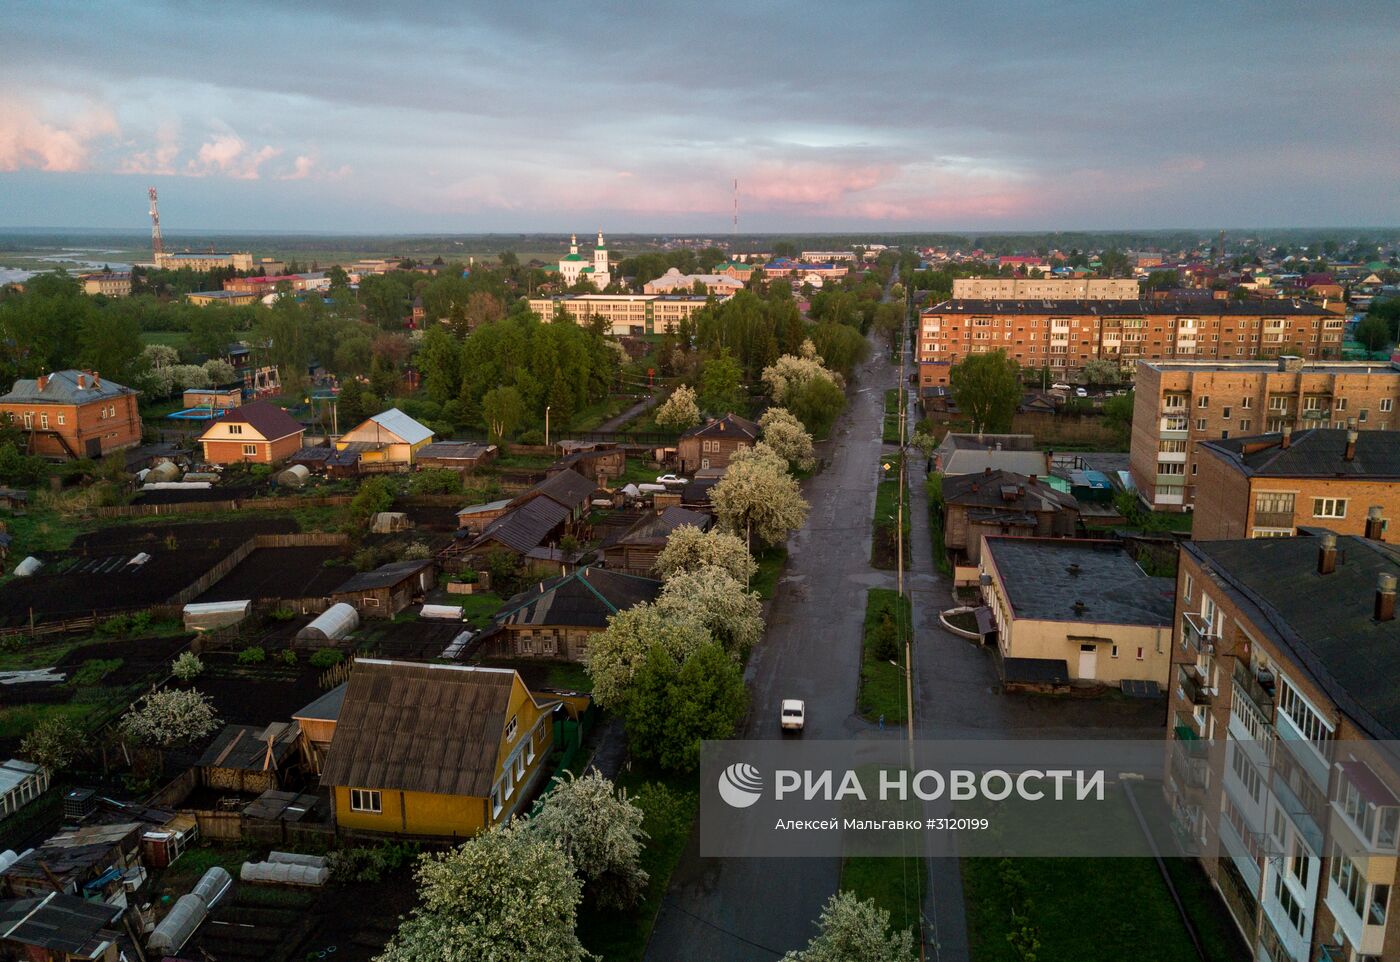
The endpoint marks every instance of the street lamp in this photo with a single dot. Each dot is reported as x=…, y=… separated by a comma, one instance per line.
x=546, y=425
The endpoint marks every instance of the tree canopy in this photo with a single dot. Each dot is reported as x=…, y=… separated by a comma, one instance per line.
x=987, y=388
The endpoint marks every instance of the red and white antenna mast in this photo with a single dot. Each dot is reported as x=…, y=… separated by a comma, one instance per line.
x=157, y=246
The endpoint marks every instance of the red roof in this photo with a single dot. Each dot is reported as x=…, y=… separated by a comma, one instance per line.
x=265, y=417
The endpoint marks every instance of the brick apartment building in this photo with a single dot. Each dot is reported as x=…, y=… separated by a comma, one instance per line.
x=73, y=414
x=1046, y=288
x=1266, y=487
x=1178, y=403
x=625, y=314
x=1282, y=700
x=1063, y=335
x=107, y=283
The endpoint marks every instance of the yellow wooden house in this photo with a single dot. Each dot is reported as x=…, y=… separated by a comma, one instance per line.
x=440, y=750
x=388, y=438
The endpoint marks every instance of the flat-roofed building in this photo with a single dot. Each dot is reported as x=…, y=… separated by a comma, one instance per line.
x=1268, y=486
x=626, y=314
x=107, y=283
x=1280, y=750
x=1064, y=335
x=230, y=298
x=1179, y=403
x=1046, y=288
x=204, y=261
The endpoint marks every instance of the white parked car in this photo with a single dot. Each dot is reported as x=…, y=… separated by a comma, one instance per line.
x=794, y=714
x=671, y=479
x=1081, y=392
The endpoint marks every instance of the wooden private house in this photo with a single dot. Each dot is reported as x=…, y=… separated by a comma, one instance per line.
x=634, y=551
x=388, y=589
x=435, y=750
x=556, y=618
x=712, y=444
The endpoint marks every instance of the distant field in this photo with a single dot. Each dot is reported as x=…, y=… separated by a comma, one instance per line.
x=176, y=339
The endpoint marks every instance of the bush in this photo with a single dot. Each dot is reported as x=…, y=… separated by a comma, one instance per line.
x=443, y=481
x=139, y=622
x=187, y=666
x=535, y=436
x=115, y=625
x=417, y=551
x=287, y=656
x=885, y=640
x=368, y=864
x=327, y=658
x=282, y=614
x=252, y=656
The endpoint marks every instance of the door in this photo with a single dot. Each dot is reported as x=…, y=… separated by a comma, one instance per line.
x=704, y=462
x=1088, y=659
x=94, y=447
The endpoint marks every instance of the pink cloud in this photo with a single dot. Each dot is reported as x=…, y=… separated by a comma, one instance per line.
x=160, y=159
x=28, y=141
x=301, y=168
x=228, y=154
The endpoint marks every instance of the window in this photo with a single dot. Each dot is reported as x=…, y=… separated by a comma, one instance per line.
x=1225, y=414
x=1290, y=905
x=235, y=429
x=1245, y=425
x=365, y=800
x=1387, y=404
x=43, y=421
x=1203, y=401
x=495, y=802
x=250, y=449
x=511, y=729
x=1246, y=403
x=1246, y=771
x=62, y=419
x=520, y=767
x=1302, y=715
x=1329, y=507
x=1200, y=424
x=1140, y=652
x=530, y=750
x=1113, y=651
x=1171, y=467
x=1189, y=588
x=1361, y=415
x=1340, y=404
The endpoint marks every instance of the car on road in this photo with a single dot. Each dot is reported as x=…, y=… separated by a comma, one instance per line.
x=1081, y=392
x=671, y=479
x=794, y=714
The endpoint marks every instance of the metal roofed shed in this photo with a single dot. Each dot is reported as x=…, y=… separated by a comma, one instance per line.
x=60, y=926
x=206, y=616
x=331, y=625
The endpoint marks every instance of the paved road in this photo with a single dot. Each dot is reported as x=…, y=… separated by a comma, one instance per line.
x=636, y=410
x=743, y=910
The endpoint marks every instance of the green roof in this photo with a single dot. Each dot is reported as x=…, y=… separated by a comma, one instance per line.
x=573, y=257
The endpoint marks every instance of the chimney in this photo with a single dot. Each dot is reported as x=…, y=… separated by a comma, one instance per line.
x=1327, y=554
x=1073, y=568
x=41, y=382
x=1034, y=479
x=1287, y=436
x=1385, y=597
x=1375, y=523
x=96, y=379
x=1350, y=453
x=82, y=381
x=987, y=470
x=1080, y=607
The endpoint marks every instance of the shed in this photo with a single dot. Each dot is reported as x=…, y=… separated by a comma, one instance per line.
x=387, y=522
x=59, y=926
x=13, y=498
x=388, y=589
x=293, y=477
x=317, y=724
x=333, y=624
x=248, y=758
x=206, y=616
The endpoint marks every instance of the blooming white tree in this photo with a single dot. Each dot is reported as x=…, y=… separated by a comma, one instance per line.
x=187, y=666
x=688, y=549
x=506, y=895
x=710, y=596
x=757, y=497
x=680, y=410
x=792, y=370
x=855, y=930
x=219, y=370
x=601, y=832
x=616, y=653
x=171, y=716
x=160, y=355
x=788, y=437
x=52, y=743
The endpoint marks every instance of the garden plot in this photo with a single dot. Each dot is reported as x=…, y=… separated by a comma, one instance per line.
x=282, y=573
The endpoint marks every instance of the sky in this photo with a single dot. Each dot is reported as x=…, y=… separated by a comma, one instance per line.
x=363, y=115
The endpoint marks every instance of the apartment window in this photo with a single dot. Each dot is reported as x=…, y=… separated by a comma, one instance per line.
x=1378, y=825
x=1340, y=404
x=1189, y=588
x=1278, y=402
x=1113, y=651
x=1245, y=425
x=62, y=420
x=1140, y=652
x=1200, y=424
x=365, y=800
x=1246, y=403
x=510, y=729
x=1329, y=507
x=1386, y=404
x=1245, y=770
x=1171, y=447
x=44, y=421
x=1203, y=401
x=235, y=429
x=1302, y=715
x=1298, y=862
x=250, y=449
x=1171, y=467
x=1290, y=905
x=1225, y=413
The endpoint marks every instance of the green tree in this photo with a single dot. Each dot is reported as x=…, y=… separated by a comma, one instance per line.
x=987, y=387
x=722, y=386
x=852, y=929
x=1373, y=332
x=616, y=653
x=1118, y=415
x=1388, y=310
x=374, y=496
x=52, y=743
x=504, y=409
x=601, y=832
x=440, y=361
x=690, y=549
x=1100, y=371
x=757, y=497
x=674, y=705
x=816, y=403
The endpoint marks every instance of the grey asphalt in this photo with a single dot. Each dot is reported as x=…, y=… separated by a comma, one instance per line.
x=740, y=910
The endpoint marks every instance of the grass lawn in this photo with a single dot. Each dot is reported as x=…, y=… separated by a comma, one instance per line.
x=569, y=676
x=896, y=885
x=191, y=866
x=770, y=566
x=934, y=486
x=477, y=609
x=882, y=540
x=881, y=683
x=636, y=471
x=891, y=428
x=670, y=803
x=16, y=721
x=524, y=462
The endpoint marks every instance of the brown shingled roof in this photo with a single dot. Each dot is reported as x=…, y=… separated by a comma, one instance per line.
x=265, y=417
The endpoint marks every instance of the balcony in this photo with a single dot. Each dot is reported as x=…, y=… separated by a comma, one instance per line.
x=1257, y=691
x=1193, y=686
x=1191, y=769
x=1197, y=633
x=1317, y=414
x=1273, y=519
